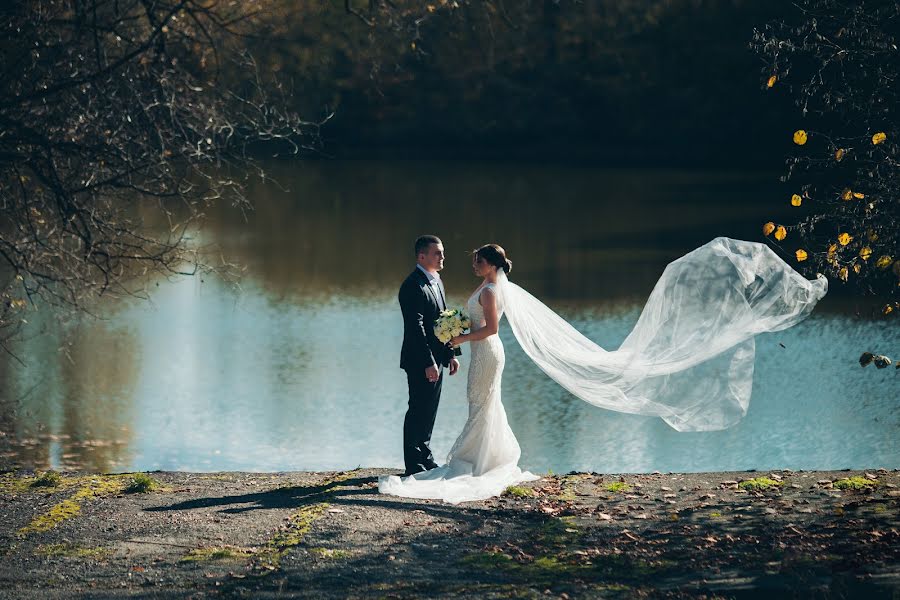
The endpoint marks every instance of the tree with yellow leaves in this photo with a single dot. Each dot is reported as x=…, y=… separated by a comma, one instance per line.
x=836, y=61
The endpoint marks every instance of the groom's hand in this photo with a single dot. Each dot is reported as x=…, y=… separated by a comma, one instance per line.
x=454, y=366
x=432, y=374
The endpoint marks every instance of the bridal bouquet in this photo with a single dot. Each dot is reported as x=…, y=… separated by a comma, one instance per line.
x=451, y=323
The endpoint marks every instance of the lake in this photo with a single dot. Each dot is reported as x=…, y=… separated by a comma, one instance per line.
x=295, y=365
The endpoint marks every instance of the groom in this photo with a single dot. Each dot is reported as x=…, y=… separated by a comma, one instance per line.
x=423, y=356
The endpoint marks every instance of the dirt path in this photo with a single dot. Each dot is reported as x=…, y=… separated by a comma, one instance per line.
x=323, y=535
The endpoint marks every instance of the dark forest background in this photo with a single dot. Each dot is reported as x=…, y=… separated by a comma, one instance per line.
x=620, y=82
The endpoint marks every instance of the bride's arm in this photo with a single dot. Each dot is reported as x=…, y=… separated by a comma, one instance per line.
x=491, y=320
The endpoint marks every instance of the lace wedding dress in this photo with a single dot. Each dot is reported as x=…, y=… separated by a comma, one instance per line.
x=484, y=459
x=688, y=360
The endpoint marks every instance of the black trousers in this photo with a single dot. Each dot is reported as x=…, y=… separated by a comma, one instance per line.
x=419, y=422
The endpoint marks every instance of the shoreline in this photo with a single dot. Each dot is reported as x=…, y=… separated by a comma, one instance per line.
x=331, y=534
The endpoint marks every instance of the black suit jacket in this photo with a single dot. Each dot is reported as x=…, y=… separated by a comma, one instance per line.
x=421, y=305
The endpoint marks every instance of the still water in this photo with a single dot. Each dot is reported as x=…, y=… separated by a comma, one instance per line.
x=295, y=367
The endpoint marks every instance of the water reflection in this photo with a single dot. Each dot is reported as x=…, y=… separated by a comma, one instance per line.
x=297, y=367
x=572, y=232
x=71, y=404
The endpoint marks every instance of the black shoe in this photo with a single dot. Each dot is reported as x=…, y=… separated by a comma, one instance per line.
x=414, y=470
x=431, y=465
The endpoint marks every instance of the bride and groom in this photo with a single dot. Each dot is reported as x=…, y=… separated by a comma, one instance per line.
x=688, y=360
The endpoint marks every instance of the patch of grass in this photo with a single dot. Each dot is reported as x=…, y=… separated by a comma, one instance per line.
x=617, y=486
x=218, y=553
x=47, y=479
x=855, y=483
x=141, y=483
x=715, y=515
x=518, y=492
x=72, y=551
x=289, y=536
x=329, y=553
x=760, y=484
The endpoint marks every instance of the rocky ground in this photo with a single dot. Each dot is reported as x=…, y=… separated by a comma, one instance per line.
x=324, y=535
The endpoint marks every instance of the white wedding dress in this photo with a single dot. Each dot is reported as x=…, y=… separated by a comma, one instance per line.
x=484, y=460
x=688, y=360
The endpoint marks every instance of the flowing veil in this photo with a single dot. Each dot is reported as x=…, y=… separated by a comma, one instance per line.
x=689, y=358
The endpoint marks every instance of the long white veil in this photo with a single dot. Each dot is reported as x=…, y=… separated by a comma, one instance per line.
x=689, y=358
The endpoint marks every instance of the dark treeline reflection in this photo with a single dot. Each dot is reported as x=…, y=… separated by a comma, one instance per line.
x=574, y=234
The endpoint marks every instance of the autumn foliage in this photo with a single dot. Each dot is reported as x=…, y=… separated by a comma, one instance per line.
x=839, y=64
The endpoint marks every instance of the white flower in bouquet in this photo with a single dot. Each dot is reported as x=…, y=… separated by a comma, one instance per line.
x=451, y=323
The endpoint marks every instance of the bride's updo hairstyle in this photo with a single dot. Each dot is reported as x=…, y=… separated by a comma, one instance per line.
x=494, y=255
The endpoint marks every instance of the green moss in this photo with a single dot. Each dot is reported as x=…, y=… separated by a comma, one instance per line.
x=16, y=484
x=92, y=487
x=549, y=568
x=569, y=483
x=715, y=515
x=551, y=565
x=489, y=561
x=218, y=553
x=289, y=536
x=13, y=484
x=856, y=483
x=67, y=509
x=617, y=486
x=329, y=553
x=72, y=551
x=47, y=479
x=518, y=491
x=760, y=484
x=555, y=535
x=141, y=483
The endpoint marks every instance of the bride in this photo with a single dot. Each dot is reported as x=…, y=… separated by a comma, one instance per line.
x=688, y=360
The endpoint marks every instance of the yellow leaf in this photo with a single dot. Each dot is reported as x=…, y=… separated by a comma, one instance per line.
x=878, y=138
x=847, y=194
x=780, y=233
x=839, y=154
x=845, y=238
x=865, y=253
x=771, y=81
x=883, y=262
x=857, y=268
x=801, y=255
x=800, y=137
x=843, y=274
x=796, y=200
x=858, y=195
x=832, y=248
x=888, y=309
x=871, y=235
x=768, y=228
